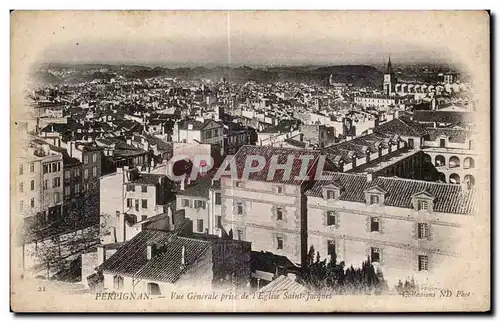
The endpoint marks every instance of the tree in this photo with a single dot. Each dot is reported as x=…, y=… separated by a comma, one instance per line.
x=334, y=277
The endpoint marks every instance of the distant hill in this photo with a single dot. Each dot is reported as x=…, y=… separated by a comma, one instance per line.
x=358, y=75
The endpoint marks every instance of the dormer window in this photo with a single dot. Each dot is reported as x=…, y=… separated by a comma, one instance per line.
x=423, y=201
x=239, y=184
x=332, y=191
x=330, y=194
x=374, y=200
x=422, y=205
x=375, y=196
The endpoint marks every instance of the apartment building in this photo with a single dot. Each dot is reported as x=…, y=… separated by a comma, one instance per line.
x=128, y=197
x=206, y=132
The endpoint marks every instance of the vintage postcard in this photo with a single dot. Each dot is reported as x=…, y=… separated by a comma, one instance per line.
x=250, y=161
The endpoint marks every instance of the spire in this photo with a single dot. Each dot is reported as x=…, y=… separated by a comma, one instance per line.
x=389, y=66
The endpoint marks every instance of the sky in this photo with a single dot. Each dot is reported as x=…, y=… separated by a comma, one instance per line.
x=243, y=37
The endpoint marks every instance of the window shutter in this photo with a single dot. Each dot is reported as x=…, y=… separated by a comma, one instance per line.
x=325, y=218
x=414, y=231
x=381, y=225
x=382, y=259
x=337, y=220
x=367, y=226
x=429, y=231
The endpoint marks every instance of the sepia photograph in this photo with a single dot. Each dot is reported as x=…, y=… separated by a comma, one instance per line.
x=250, y=161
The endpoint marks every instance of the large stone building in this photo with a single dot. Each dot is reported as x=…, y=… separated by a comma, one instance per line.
x=410, y=228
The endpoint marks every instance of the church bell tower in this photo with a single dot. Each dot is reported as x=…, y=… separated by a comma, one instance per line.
x=389, y=79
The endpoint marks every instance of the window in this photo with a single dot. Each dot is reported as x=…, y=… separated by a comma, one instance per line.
x=86, y=174
x=21, y=169
x=86, y=159
x=32, y=167
x=422, y=205
x=199, y=204
x=239, y=208
x=240, y=234
x=94, y=171
x=77, y=188
x=67, y=174
x=185, y=202
x=117, y=282
x=423, y=263
x=374, y=200
x=442, y=143
x=154, y=289
x=32, y=185
x=375, y=255
x=411, y=143
x=144, y=217
x=144, y=203
x=136, y=204
x=239, y=184
x=117, y=213
x=217, y=198
x=279, y=242
x=45, y=184
x=219, y=221
x=21, y=187
x=21, y=205
x=130, y=187
x=77, y=172
x=279, y=189
x=332, y=251
x=144, y=188
x=56, y=182
x=470, y=145
x=423, y=231
x=67, y=191
x=57, y=198
x=45, y=168
x=32, y=202
x=129, y=202
x=279, y=213
x=330, y=218
x=200, y=225
x=330, y=194
x=374, y=224
x=94, y=158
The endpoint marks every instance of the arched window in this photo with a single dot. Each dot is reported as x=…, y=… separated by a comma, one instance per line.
x=440, y=161
x=441, y=177
x=154, y=289
x=454, y=178
x=469, y=163
x=470, y=179
x=454, y=162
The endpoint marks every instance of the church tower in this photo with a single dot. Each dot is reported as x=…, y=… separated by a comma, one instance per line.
x=389, y=79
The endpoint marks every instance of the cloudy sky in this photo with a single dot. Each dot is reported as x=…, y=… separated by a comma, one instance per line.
x=242, y=37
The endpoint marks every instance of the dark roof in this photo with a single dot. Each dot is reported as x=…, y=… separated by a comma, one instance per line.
x=454, y=135
x=197, y=125
x=282, y=155
x=131, y=259
x=449, y=198
x=199, y=188
x=147, y=178
x=444, y=116
x=399, y=127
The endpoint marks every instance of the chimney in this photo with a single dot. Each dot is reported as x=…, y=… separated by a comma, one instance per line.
x=183, y=256
x=129, y=141
x=369, y=176
x=101, y=254
x=45, y=148
x=396, y=114
x=190, y=126
x=150, y=251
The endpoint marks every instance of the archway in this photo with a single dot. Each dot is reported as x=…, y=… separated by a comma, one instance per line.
x=454, y=178
x=441, y=177
x=440, y=161
x=469, y=163
x=454, y=162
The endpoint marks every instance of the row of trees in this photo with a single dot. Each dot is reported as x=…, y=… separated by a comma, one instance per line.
x=338, y=279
